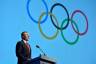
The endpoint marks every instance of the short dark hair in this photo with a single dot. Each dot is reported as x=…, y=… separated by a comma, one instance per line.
x=23, y=33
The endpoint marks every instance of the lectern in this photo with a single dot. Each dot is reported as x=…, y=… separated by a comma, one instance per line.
x=42, y=59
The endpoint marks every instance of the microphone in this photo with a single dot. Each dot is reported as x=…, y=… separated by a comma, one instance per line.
x=37, y=46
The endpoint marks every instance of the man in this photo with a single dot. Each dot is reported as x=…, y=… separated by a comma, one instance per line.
x=23, y=49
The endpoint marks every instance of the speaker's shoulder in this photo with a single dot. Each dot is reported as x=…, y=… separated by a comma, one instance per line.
x=20, y=42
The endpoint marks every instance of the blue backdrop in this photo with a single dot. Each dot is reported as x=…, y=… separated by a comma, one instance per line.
x=14, y=19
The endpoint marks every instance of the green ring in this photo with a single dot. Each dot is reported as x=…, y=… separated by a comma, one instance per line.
x=47, y=37
x=68, y=42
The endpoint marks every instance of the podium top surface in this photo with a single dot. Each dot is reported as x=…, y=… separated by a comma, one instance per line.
x=44, y=58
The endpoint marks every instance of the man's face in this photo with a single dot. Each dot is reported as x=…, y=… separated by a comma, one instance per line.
x=25, y=36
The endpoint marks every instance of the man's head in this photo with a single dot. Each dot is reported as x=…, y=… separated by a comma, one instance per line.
x=25, y=36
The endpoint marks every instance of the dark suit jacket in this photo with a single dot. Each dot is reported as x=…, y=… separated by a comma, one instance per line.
x=21, y=53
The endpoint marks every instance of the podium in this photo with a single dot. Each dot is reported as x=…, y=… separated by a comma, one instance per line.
x=42, y=59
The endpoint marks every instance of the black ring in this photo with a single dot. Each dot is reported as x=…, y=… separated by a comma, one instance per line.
x=58, y=4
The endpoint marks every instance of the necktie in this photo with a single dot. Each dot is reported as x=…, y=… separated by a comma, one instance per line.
x=27, y=48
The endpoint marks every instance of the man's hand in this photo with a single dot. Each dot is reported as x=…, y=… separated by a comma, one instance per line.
x=29, y=59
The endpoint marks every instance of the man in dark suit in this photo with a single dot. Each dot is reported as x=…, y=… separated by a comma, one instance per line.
x=23, y=49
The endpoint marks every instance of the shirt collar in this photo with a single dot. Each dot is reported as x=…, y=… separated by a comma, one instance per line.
x=25, y=41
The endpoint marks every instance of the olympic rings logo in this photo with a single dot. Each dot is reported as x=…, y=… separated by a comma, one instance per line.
x=61, y=28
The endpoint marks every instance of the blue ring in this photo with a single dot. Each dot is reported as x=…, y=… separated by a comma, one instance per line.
x=36, y=21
